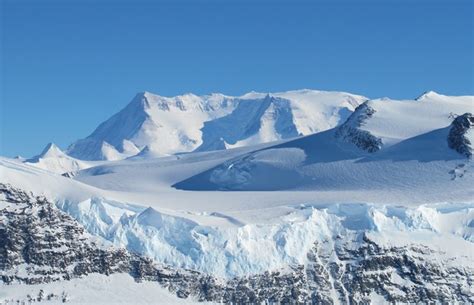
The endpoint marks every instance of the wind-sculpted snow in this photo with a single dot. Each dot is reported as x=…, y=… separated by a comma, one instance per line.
x=254, y=168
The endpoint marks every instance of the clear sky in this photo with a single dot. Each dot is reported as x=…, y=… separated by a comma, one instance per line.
x=68, y=65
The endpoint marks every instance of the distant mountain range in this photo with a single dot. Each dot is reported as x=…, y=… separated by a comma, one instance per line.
x=152, y=126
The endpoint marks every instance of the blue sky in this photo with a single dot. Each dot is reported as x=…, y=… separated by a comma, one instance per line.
x=68, y=65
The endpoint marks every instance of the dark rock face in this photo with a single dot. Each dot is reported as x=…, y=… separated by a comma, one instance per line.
x=351, y=132
x=457, y=139
x=39, y=244
x=48, y=243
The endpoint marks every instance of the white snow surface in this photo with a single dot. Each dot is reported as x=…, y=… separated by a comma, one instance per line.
x=237, y=250
x=93, y=289
x=398, y=120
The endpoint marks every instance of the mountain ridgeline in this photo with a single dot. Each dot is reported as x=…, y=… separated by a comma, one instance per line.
x=201, y=123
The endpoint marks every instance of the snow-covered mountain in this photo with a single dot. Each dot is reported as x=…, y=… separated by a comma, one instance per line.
x=364, y=152
x=375, y=206
x=189, y=122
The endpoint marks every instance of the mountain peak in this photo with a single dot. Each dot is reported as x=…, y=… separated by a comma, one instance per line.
x=148, y=152
x=428, y=94
x=51, y=150
x=53, y=159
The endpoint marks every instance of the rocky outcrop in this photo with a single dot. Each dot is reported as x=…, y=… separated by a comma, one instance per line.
x=39, y=243
x=457, y=138
x=352, y=132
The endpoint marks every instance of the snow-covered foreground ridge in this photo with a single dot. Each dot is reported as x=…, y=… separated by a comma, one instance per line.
x=238, y=251
x=349, y=261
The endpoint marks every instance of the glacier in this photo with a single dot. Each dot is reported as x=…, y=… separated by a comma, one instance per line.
x=255, y=248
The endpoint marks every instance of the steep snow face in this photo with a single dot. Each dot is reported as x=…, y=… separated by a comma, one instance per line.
x=54, y=160
x=237, y=251
x=170, y=125
x=314, y=111
x=253, y=121
x=262, y=118
x=91, y=149
x=210, y=122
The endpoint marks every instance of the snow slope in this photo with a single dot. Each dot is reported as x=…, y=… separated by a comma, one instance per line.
x=317, y=162
x=169, y=125
x=393, y=121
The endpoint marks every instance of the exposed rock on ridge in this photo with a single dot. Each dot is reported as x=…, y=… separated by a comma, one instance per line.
x=458, y=134
x=351, y=132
